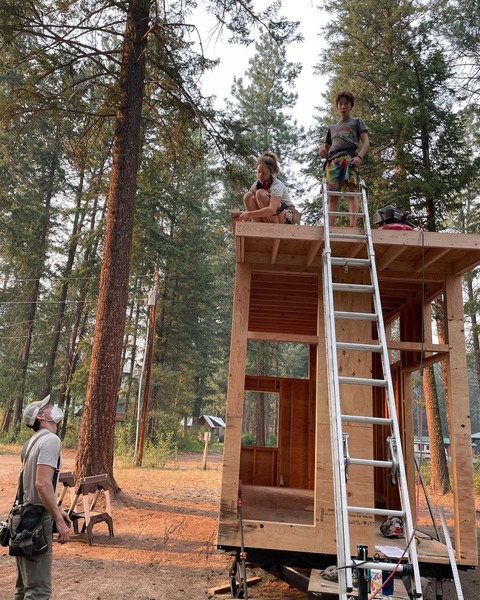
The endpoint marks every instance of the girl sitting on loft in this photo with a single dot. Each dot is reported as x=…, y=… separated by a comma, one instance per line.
x=268, y=200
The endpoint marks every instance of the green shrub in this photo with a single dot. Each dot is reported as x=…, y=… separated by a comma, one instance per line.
x=125, y=439
x=190, y=442
x=71, y=435
x=157, y=453
x=272, y=441
x=249, y=439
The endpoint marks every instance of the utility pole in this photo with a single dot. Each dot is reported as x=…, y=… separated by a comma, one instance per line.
x=152, y=301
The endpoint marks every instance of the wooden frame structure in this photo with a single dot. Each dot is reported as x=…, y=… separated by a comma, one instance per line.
x=278, y=296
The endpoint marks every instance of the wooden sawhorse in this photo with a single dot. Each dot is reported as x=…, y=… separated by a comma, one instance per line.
x=96, y=484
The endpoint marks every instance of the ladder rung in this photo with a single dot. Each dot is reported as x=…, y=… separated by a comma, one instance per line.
x=352, y=287
x=341, y=314
x=385, y=566
x=384, y=512
x=368, y=420
x=350, y=236
x=351, y=194
x=367, y=462
x=359, y=347
x=343, y=213
x=363, y=381
x=351, y=262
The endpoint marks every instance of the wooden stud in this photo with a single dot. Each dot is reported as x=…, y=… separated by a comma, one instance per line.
x=312, y=253
x=427, y=362
x=283, y=337
x=235, y=392
x=458, y=411
x=276, y=245
x=417, y=346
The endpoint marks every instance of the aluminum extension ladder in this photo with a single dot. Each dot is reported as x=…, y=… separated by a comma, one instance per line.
x=340, y=455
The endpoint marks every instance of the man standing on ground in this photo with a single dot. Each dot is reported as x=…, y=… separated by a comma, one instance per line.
x=34, y=574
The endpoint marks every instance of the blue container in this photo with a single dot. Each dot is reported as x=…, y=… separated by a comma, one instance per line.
x=388, y=588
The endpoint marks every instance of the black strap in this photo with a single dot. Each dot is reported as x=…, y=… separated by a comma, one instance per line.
x=20, y=490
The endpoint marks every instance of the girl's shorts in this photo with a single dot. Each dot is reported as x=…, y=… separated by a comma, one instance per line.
x=339, y=173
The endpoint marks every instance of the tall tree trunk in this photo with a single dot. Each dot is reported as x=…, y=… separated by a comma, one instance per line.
x=95, y=451
x=473, y=317
x=33, y=296
x=89, y=259
x=260, y=396
x=438, y=460
x=133, y=357
x=72, y=372
x=63, y=294
x=7, y=415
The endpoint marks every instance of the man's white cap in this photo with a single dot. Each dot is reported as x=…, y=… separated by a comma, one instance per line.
x=31, y=411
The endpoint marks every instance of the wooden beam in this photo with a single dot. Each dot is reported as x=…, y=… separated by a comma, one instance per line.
x=404, y=271
x=417, y=346
x=427, y=362
x=276, y=244
x=467, y=263
x=381, y=237
x=283, y=260
x=235, y=393
x=223, y=589
x=459, y=422
x=434, y=273
x=277, y=231
x=283, y=337
x=430, y=257
x=313, y=251
x=389, y=256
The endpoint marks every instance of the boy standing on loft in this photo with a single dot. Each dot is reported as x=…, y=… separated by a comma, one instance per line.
x=340, y=150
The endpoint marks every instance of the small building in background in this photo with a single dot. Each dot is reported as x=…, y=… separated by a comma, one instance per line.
x=446, y=441
x=216, y=425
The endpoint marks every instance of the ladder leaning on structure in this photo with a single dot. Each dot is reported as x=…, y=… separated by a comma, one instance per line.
x=341, y=458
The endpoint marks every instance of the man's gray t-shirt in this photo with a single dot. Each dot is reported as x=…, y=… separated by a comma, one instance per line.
x=46, y=451
x=344, y=136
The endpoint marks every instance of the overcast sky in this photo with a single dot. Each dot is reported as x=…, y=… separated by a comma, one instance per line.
x=234, y=58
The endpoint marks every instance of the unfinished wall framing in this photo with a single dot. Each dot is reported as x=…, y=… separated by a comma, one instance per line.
x=287, y=492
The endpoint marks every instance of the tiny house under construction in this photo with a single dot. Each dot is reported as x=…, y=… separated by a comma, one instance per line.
x=287, y=491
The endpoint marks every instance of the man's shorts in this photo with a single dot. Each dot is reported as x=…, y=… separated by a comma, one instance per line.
x=340, y=173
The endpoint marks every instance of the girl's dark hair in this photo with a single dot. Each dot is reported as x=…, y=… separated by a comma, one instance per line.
x=348, y=95
x=270, y=160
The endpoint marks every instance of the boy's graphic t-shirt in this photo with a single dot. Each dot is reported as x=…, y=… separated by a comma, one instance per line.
x=344, y=136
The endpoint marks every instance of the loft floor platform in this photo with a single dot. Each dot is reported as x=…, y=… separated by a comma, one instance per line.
x=299, y=247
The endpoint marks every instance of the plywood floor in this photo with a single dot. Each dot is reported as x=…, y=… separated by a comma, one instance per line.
x=277, y=504
x=290, y=505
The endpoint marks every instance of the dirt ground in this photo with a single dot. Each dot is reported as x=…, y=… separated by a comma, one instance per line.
x=164, y=544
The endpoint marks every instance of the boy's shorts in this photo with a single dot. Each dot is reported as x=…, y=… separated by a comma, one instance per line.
x=340, y=173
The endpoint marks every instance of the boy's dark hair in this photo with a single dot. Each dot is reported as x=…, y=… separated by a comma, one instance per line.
x=348, y=95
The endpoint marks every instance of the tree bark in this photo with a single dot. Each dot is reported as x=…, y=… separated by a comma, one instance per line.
x=133, y=357
x=438, y=460
x=97, y=432
x=33, y=296
x=63, y=294
x=473, y=317
x=260, y=396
